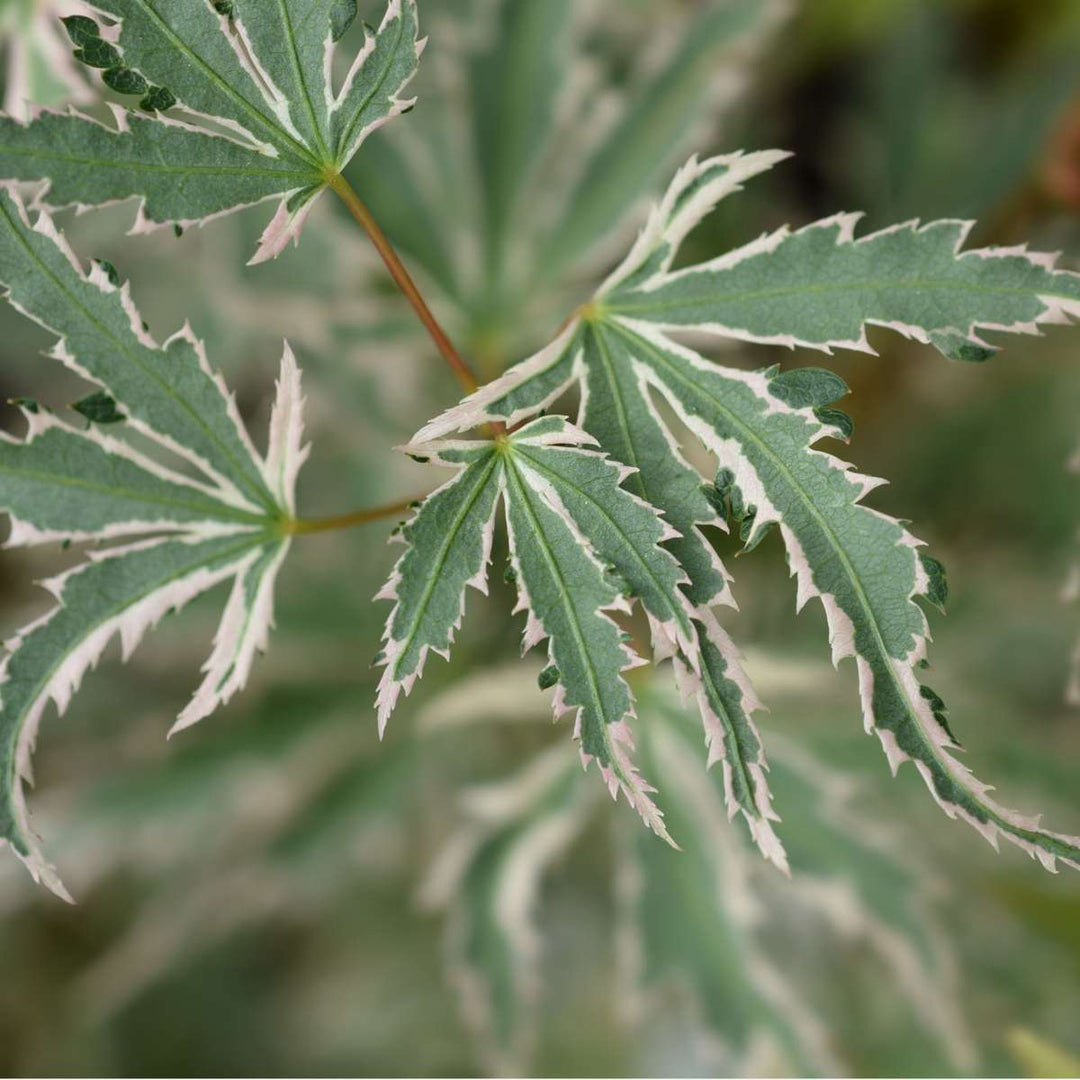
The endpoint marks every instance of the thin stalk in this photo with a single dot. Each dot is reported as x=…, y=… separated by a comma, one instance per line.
x=405, y=282
x=349, y=521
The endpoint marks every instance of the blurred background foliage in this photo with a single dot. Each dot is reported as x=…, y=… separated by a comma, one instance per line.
x=248, y=892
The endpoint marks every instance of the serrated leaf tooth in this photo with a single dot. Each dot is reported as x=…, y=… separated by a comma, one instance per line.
x=99, y=277
x=624, y=777
x=390, y=590
x=800, y=569
x=665, y=638
x=534, y=629
x=118, y=112
x=45, y=226
x=1048, y=861
x=841, y=630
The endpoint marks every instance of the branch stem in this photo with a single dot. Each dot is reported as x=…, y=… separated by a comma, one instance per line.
x=405, y=283
x=299, y=527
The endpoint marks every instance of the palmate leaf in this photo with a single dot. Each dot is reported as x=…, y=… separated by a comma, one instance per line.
x=845, y=872
x=689, y=923
x=240, y=103
x=696, y=930
x=186, y=534
x=487, y=879
x=763, y=428
x=564, y=512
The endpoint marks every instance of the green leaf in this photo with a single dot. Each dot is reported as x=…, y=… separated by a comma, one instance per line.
x=819, y=287
x=618, y=412
x=254, y=112
x=64, y=484
x=167, y=391
x=125, y=592
x=686, y=920
x=449, y=548
x=568, y=521
x=862, y=564
x=847, y=871
x=488, y=880
x=514, y=81
x=655, y=124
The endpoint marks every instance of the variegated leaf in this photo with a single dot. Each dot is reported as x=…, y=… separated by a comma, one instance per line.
x=857, y=873
x=487, y=879
x=852, y=881
x=631, y=142
x=63, y=484
x=688, y=921
x=167, y=391
x=618, y=412
x=241, y=102
x=547, y=142
x=565, y=513
x=821, y=287
x=762, y=429
x=40, y=67
x=232, y=522
x=845, y=868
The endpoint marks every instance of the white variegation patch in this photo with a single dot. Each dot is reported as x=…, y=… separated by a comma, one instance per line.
x=286, y=454
x=244, y=632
